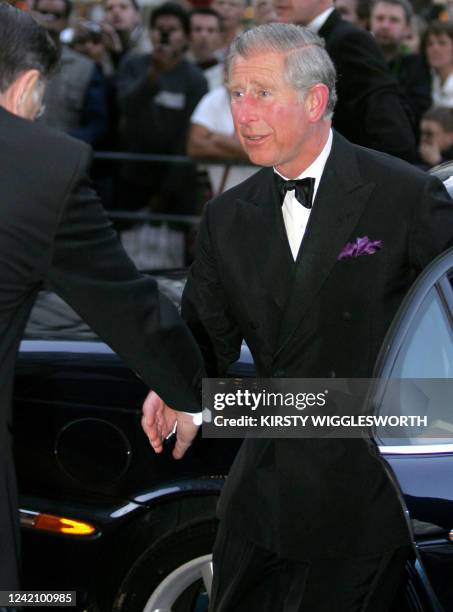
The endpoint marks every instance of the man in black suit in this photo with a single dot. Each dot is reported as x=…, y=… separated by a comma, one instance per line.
x=306, y=524
x=53, y=228
x=390, y=24
x=370, y=111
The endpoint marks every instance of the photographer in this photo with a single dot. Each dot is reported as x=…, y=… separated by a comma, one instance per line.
x=124, y=30
x=75, y=96
x=157, y=94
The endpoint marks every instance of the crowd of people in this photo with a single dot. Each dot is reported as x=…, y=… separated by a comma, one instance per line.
x=152, y=82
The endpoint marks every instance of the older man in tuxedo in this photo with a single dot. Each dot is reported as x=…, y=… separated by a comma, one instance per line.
x=53, y=229
x=309, y=525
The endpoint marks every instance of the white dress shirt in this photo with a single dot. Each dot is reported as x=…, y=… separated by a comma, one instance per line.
x=316, y=24
x=442, y=93
x=295, y=215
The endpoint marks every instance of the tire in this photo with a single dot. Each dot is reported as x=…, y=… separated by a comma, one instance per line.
x=168, y=576
x=155, y=582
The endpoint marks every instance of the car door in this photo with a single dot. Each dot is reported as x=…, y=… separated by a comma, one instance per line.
x=415, y=372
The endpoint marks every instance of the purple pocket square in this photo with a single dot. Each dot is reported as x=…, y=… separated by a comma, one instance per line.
x=361, y=246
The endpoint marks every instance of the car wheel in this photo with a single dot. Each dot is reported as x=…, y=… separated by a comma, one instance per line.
x=174, y=575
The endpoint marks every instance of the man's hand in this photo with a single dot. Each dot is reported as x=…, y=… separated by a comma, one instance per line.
x=159, y=420
x=430, y=153
x=111, y=39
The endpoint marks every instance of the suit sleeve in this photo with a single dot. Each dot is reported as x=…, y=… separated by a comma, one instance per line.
x=370, y=91
x=432, y=224
x=91, y=271
x=206, y=310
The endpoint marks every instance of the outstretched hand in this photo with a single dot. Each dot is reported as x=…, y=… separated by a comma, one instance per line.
x=159, y=421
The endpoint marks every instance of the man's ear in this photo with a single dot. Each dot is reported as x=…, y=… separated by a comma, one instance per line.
x=316, y=101
x=19, y=98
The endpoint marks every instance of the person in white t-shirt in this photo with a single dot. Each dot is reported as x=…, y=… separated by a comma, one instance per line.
x=212, y=136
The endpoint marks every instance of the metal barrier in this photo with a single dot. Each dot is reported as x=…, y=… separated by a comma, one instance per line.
x=138, y=217
x=154, y=239
x=172, y=159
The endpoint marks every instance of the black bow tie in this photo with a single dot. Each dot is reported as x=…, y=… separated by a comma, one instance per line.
x=303, y=189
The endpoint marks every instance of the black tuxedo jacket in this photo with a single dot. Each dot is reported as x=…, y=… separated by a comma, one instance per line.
x=369, y=111
x=317, y=317
x=52, y=227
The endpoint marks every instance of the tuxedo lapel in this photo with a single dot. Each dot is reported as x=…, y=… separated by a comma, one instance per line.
x=339, y=203
x=266, y=258
x=329, y=25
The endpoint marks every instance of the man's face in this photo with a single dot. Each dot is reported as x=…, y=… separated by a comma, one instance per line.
x=204, y=36
x=432, y=133
x=299, y=11
x=264, y=12
x=348, y=10
x=121, y=15
x=168, y=31
x=52, y=15
x=231, y=12
x=388, y=24
x=270, y=120
x=91, y=46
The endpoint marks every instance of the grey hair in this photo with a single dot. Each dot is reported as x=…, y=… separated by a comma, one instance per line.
x=307, y=62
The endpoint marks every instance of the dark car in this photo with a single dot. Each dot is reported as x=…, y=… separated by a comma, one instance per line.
x=132, y=531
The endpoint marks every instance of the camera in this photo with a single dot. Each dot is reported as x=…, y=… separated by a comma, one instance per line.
x=164, y=37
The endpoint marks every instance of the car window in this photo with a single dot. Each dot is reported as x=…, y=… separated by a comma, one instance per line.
x=427, y=351
x=422, y=377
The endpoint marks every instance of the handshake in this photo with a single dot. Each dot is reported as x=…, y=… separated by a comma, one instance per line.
x=159, y=421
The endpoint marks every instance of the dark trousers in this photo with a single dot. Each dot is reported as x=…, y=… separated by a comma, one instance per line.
x=248, y=579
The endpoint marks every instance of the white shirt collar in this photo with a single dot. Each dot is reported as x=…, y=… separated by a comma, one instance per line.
x=316, y=24
x=316, y=168
x=442, y=93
